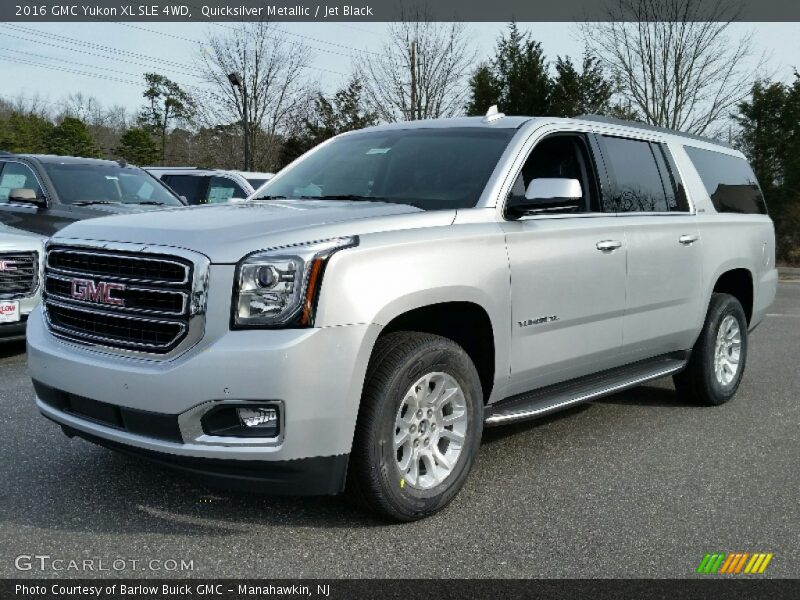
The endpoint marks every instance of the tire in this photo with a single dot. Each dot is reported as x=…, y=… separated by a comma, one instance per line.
x=382, y=476
x=702, y=382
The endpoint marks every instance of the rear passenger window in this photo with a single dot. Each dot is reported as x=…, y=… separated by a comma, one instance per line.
x=634, y=177
x=729, y=180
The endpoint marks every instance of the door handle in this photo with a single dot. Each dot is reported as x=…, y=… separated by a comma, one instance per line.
x=608, y=245
x=687, y=240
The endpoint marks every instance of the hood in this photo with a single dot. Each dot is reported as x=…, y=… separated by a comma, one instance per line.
x=13, y=239
x=227, y=232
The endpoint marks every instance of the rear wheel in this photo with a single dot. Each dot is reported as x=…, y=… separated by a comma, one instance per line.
x=718, y=358
x=419, y=426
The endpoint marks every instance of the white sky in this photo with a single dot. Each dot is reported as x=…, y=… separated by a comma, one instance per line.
x=333, y=46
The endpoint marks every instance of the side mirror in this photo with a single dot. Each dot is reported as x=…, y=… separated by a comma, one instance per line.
x=26, y=196
x=548, y=194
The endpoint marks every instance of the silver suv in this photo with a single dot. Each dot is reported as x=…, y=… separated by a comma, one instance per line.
x=395, y=290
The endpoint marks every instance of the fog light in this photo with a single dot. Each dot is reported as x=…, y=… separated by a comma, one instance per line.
x=257, y=417
x=243, y=420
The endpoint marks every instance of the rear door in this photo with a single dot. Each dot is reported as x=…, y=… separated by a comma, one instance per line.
x=664, y=249
x=567, y=275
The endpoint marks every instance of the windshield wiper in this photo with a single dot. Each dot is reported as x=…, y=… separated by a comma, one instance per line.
x=270, y=198
x=354, y=197
x=150, y=203
x=91, y=202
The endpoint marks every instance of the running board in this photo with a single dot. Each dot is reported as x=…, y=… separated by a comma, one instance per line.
x=543, y=401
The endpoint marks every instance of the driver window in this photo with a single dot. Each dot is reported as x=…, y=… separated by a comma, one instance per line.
x=15, y=175
x=562, y=156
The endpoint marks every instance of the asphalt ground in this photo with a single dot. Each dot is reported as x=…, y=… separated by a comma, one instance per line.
x=637, y=485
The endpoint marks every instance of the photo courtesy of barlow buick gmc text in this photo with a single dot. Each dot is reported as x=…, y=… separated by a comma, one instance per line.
x=400, y=299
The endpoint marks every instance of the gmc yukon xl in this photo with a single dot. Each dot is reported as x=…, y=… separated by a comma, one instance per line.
x=358, y=322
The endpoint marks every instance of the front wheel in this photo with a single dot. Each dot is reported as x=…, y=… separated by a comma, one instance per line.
x=419, y=426
x=719, y=355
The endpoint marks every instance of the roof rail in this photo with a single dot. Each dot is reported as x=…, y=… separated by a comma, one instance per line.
x=639, y=125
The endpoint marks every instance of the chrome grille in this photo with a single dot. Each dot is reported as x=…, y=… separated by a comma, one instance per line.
x=18, y=274
x=125, y=300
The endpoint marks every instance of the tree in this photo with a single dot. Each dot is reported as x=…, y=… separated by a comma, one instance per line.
x=675, y=61
x=770, y=137
x=25, y=132
x=167, y=103
x=519, y=82
x=577, y=93
x=420, y=71
x=272, y=70
x=137, y=146
x=71, y=138
x=329, y=117
x=483, y=91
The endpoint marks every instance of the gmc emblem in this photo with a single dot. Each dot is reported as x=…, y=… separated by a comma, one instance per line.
x=6, y=265
x=100, y=292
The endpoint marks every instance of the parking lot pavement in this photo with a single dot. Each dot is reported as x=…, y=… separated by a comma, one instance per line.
x=637, y=485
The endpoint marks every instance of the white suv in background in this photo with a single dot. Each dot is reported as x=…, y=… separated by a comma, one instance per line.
x=21, y=256
x=210, y=186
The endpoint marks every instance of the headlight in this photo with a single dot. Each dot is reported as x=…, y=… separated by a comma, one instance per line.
x=278, y=287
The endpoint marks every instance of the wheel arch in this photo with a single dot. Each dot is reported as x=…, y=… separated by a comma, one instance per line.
x=739, y=283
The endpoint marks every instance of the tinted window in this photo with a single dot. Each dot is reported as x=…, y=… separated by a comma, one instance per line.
x=635, y=180
x=223, y=189
x=192, y=187
x=729, y=180
x=429, y=168
x=257, y=183
x=88, y=183
x=14, y=176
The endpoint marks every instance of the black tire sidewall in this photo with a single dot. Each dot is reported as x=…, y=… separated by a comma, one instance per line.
x=725, y=305
x=443, y=357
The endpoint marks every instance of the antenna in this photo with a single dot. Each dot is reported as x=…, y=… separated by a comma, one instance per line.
x=492, y=114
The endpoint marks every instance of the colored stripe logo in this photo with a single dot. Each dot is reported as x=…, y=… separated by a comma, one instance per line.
x=734, y=563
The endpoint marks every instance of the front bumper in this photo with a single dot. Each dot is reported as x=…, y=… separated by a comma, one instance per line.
x=315, y=374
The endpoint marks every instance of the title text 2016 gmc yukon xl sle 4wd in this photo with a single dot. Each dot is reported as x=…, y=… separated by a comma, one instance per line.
x=397, y=289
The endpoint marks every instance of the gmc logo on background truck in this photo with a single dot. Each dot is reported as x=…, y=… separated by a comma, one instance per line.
x=8, y=265
x=100, y=292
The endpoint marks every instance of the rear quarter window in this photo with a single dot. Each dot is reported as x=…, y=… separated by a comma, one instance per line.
x=729, y=181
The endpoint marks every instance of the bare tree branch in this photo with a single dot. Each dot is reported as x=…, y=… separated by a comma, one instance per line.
x=273, y=70
x=444, y=59
x=676, y=61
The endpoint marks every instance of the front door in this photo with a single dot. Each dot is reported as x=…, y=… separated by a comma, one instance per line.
x=567, y=276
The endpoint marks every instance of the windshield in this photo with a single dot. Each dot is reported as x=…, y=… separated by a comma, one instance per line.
x=428, y=168
x=92, y=184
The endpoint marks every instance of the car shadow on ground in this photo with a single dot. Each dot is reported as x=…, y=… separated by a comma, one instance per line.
x=9, y=349
x=101, y=491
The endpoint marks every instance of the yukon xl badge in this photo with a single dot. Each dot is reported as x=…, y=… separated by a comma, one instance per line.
x=539, y=321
